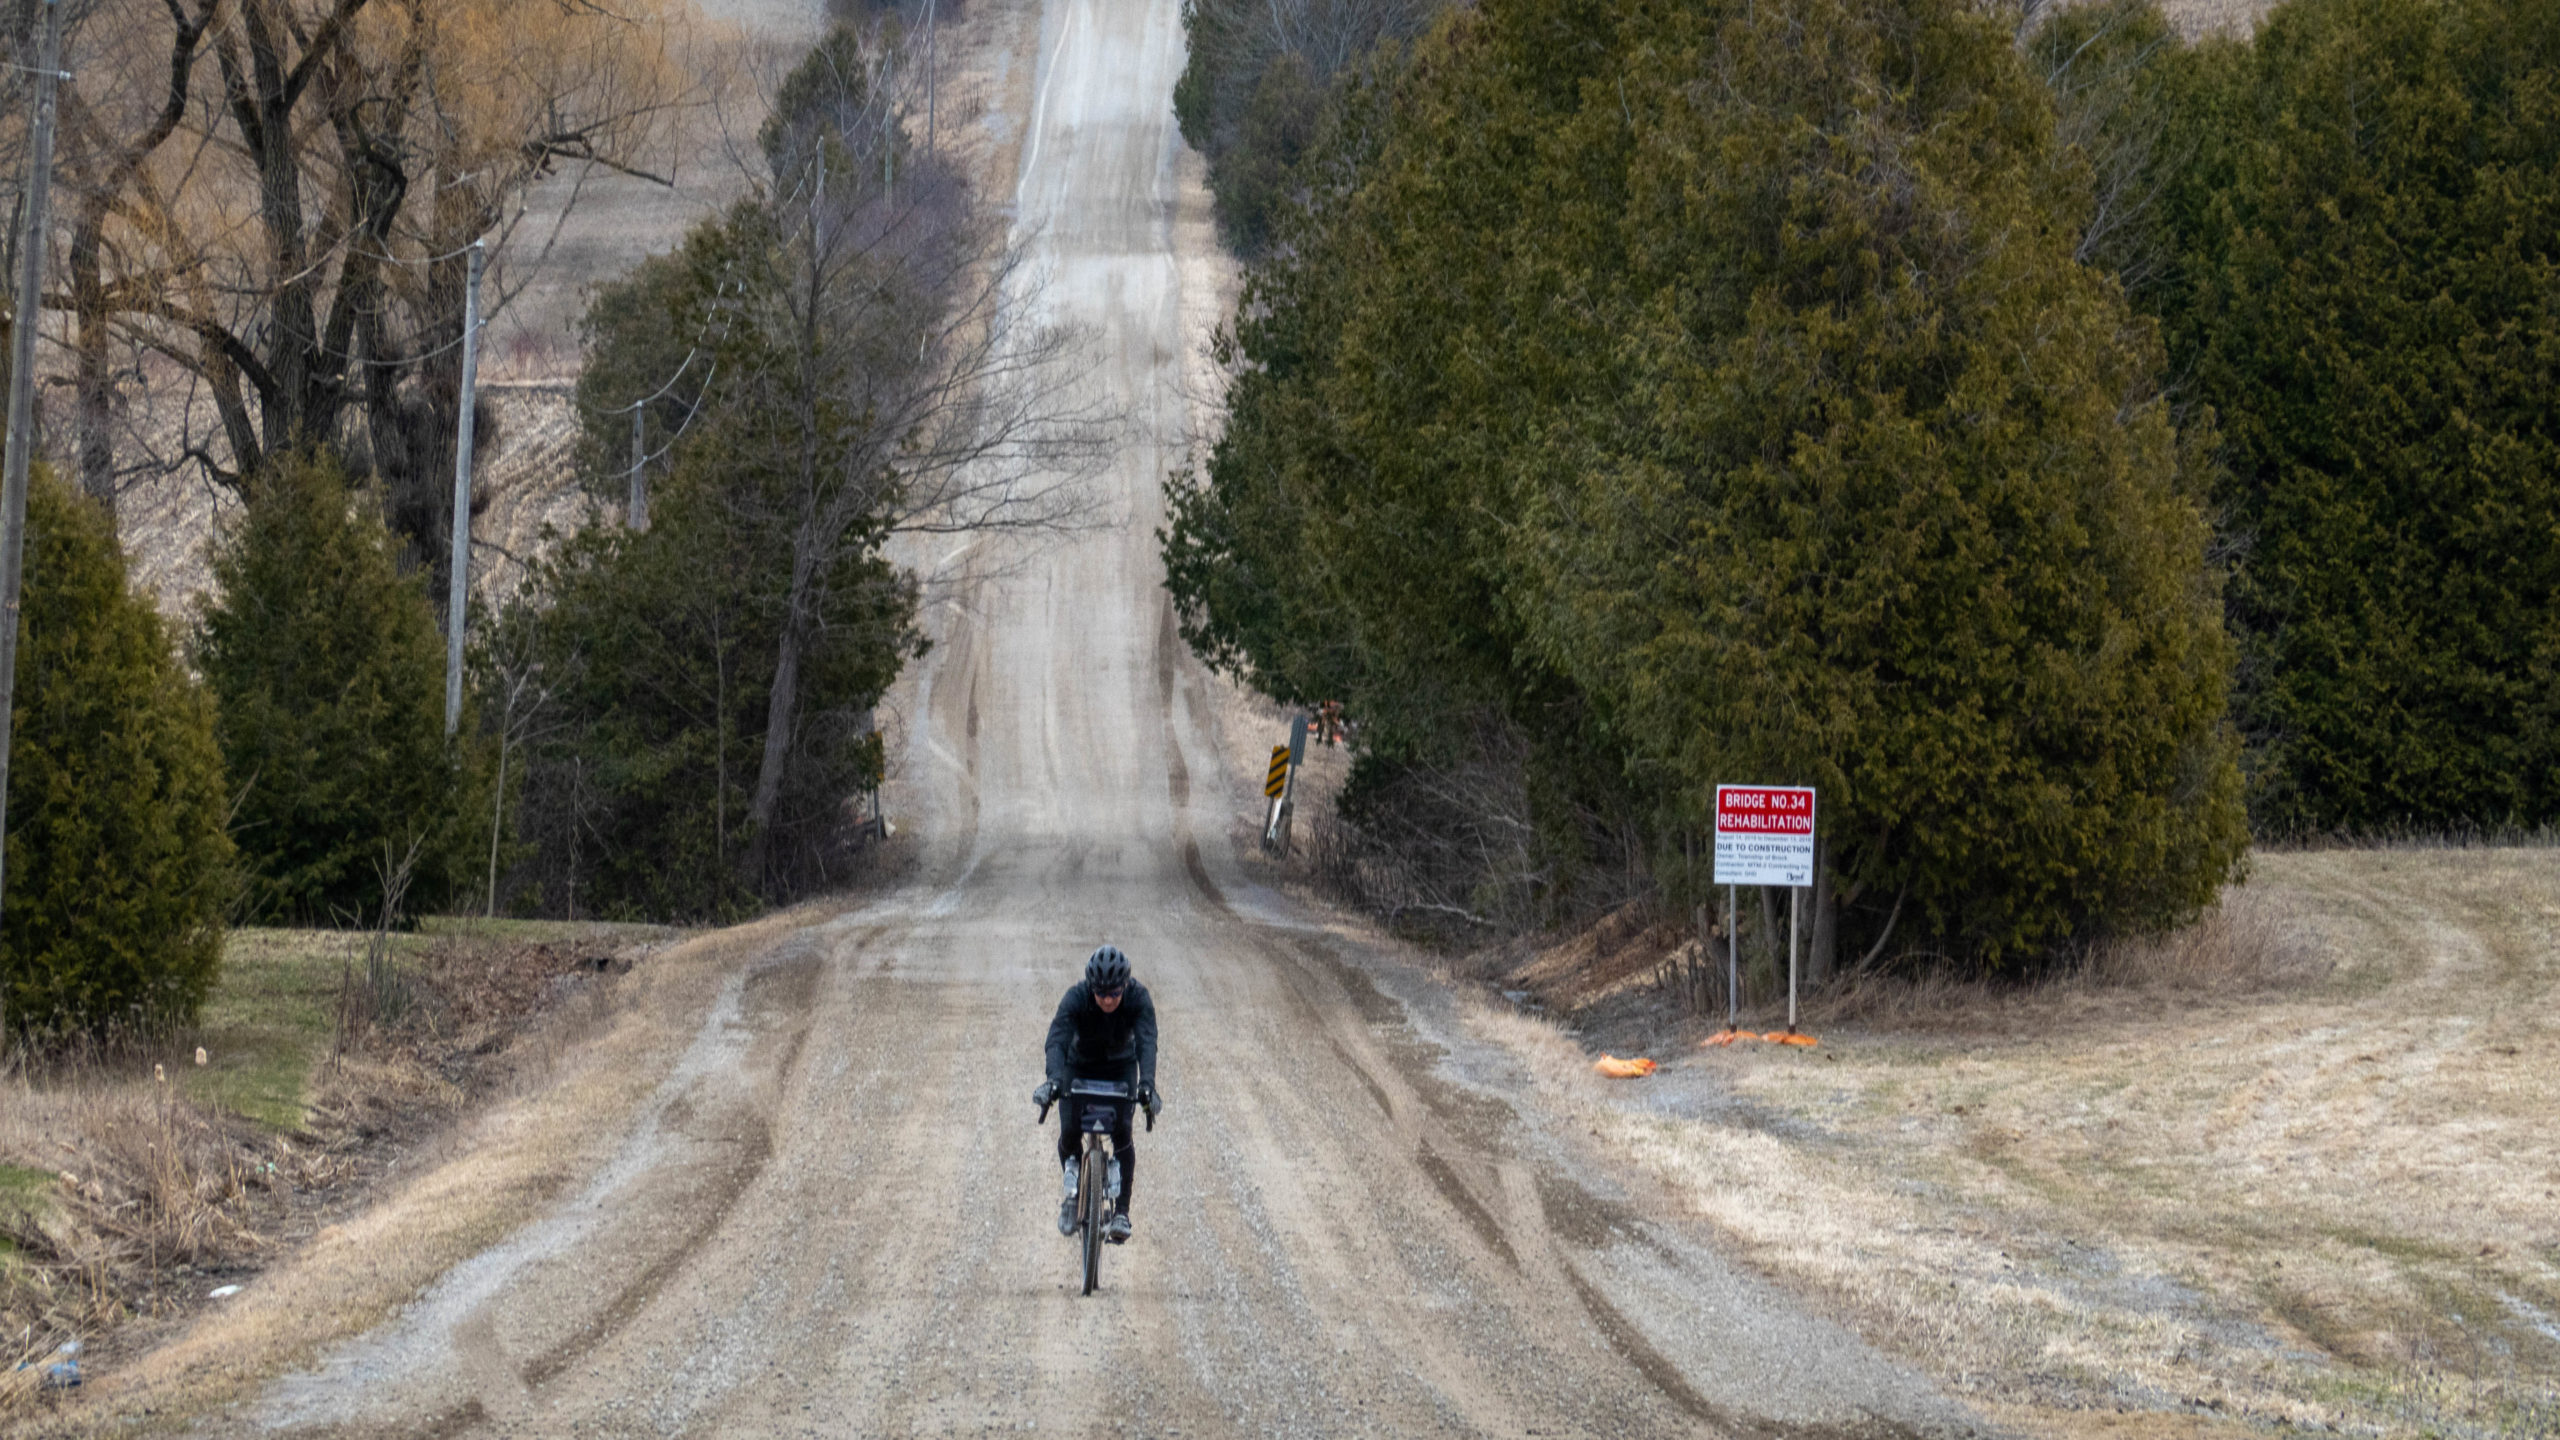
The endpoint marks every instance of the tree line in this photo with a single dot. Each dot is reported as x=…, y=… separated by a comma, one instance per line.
x=667, y=722
x=2072, y=447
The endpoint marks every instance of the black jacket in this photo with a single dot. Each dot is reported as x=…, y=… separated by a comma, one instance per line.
x=1084, y=1041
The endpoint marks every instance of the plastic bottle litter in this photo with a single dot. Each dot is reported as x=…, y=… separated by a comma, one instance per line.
x=223, y=1292
x=59, y=1371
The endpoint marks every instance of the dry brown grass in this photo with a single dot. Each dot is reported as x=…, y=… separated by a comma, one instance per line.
x=2300, y=1163
x=553, y=1111
x=2256, y=942
x=150, y=1183
x=132, y=1183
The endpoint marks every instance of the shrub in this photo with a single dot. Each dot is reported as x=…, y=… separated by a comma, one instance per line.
x=118, y=870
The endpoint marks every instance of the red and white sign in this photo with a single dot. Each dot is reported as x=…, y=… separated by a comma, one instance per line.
x=1764, y=835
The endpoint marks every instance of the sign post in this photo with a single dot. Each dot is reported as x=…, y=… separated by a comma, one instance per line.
x=1274, y=784
x=1764, y=836
x=1289, y=794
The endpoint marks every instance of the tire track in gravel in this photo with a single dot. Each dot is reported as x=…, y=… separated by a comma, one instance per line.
x=784, y=992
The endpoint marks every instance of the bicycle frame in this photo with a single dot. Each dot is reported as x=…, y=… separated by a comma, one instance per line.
x=1099, y=1105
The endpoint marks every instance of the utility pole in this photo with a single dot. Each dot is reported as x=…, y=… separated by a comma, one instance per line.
x=22, y=396
x=461, y=566
x=635, y=513
x=932, y=71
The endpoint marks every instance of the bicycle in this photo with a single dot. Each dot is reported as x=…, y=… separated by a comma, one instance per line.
x=1099, y=1105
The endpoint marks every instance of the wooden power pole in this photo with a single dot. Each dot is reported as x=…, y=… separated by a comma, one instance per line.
x=635, y=511
x=22, y=396
x=460, y=589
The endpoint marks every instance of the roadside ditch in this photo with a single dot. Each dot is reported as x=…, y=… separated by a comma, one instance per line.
x=142, y=1184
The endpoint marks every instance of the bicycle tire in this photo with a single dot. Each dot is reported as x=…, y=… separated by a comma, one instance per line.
x=1096, y=1214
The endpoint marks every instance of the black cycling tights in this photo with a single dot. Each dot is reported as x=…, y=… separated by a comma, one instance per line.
x=1124, y=1143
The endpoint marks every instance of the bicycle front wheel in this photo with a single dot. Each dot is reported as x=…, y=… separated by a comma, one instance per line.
x=1097, y=1213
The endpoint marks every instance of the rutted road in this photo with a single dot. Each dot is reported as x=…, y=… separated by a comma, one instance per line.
x=836, y=1218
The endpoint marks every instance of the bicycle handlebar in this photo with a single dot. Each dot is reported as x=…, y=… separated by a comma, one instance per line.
x=1055, y=1096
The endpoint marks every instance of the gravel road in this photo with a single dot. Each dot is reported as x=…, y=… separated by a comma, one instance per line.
x=836, y=1216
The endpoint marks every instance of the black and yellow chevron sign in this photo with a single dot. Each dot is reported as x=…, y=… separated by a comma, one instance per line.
x=1278, y=779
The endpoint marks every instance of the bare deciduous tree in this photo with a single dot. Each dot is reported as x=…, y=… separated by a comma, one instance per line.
x=917, y=389
x=267, y=201
x=855, y=352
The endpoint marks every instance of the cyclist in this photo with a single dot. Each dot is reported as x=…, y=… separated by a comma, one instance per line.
x=1105, y=1029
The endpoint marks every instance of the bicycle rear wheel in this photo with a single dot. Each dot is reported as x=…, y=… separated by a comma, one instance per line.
x=1097, y=1213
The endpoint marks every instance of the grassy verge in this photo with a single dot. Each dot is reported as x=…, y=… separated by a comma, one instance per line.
x=272, y=1019
x=134, y=1180
x=25, y=1195
x=268, y=1023
x=2298, y=1167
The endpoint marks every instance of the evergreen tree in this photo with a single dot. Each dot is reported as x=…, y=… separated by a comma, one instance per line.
x=1764, y=429
x=1259, y=80
x=118, y=868
x=329, y=674
x=1877, y=489
x=657, y=650
x=2367, y=291
x=711, y=680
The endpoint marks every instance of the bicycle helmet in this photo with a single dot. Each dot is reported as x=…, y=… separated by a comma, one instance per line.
x=1106, y=969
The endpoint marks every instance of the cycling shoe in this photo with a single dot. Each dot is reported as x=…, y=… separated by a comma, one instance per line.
x=1117, y=1232
x=1067, y=1206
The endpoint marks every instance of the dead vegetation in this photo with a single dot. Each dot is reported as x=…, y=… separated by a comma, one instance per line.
x=2297, y=1164
x=137, y=1179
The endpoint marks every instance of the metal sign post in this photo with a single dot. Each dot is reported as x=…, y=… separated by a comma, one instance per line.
x=1795, y=908
x=1732, y=955
x=1274, y=784
x=1764, y=836
x=1289, y=793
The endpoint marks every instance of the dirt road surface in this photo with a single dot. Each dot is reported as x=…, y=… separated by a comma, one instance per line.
x=835, y=1217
